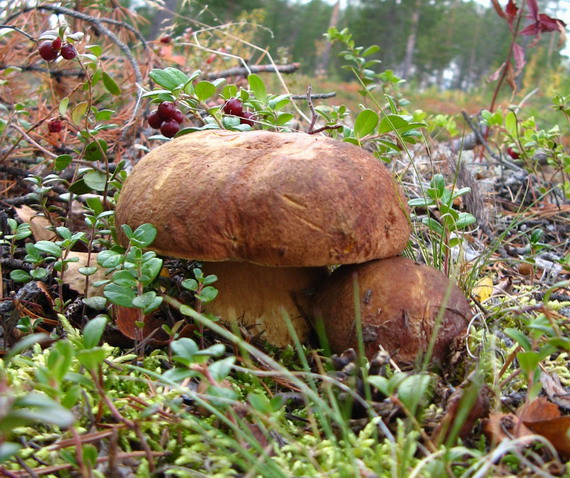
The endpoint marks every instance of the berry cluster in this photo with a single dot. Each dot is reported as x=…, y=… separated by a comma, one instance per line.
x=513, y=153
x=235, y=107
x=50, y=49
x=167, y=117
x=55, y=125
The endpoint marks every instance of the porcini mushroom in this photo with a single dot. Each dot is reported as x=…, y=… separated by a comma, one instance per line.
x=399, y=301
x=288, y=203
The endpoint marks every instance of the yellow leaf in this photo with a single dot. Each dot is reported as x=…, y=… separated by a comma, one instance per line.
x=483, y=289
x=78, y=113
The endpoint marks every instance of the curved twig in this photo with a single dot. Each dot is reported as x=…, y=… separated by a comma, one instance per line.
x=27, y=35
x=97, y=24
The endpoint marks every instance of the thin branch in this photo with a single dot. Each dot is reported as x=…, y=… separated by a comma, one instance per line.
x=27, y=35
x=32, y=141
x=309, y=97
x=480, y=139
x=55, y=73
x=242, y=71
x=316, y=96
x=314, y=115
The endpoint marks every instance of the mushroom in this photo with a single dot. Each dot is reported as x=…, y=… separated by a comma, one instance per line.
x=399, y=301
x=286, y=203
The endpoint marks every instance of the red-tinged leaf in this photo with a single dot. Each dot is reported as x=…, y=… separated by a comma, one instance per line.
x=518, y=53
x=510, y=77
x=501, y=426
x=495, y=76
x=543, y=418
x=511, y=13
x=549, y=24
x=555, y=431
x=531, y=30
x=511, y=10
x=533, y=9
x=499, y=9
x=479, y=408
x=539, y=409
x=126, y=319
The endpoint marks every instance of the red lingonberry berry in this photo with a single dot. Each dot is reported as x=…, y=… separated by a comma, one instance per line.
x=178, y=116
x=154, y=120
x=513, y=154
x=233, y=107
x=55, y=126
x=170, y=128
x=165, y=39
x=247, y=118
x=166, y=110
x=68, y=51
x=56, y=44
x=46, y=51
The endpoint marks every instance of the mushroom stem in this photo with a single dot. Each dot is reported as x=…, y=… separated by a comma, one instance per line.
x=258, y=297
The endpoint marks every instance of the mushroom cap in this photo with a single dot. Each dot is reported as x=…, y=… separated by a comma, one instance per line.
x=275, y=199
x=399, y=305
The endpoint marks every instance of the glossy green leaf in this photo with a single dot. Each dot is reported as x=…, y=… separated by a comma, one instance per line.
x=96, y=150
x=91, y=358
x=49, y=248
x=169, y=78
x=204, y=90
x=143, y=235
x=93, y=331
x=257, y=86
x=62, y=162
x=95, y=180
x=119, y=295
x=63, y=106
x=19, y=275
x=110, y=84
x=365, y=123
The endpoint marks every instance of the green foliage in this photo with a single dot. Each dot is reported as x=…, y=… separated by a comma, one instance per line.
x=133, y=271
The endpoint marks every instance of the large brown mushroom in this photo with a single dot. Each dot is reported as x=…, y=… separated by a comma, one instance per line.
x=399, y=301
x=288, y=203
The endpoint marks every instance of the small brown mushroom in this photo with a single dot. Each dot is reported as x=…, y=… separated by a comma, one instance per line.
x=400, y=301
x=289, y=203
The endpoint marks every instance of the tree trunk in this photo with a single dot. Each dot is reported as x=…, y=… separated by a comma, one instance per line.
x=411, y=43
x=323, y=65
x=162, y=19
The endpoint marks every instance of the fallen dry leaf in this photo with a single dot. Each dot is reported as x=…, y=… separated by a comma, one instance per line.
x=483, y=289
x=479, y=409
x=501, y=426
x=38, y=224
x=555, y=391
x=76, y=281
x=543, y=418
x=166, y=54
x=503, y=287
x=126, y=318
x=539, y=417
